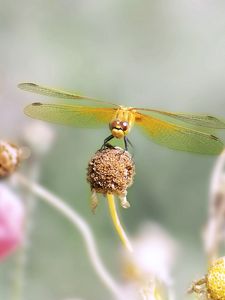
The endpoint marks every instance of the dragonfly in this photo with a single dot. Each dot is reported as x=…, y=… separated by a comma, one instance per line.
x=180, y=131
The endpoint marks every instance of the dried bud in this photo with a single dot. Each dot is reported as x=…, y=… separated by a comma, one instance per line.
x=10, y=156
x=111, y=170
x=215, y=280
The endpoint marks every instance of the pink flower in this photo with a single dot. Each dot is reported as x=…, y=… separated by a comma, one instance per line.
x=11, y=221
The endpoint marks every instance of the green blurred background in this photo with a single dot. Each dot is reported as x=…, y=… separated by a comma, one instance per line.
x=161, y=54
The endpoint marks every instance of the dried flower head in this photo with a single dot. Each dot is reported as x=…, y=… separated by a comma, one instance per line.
x=212, y=285
x=111, y=170
x=10, y=156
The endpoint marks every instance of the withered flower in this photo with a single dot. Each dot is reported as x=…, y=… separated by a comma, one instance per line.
x=111, y=171
x=10, y=156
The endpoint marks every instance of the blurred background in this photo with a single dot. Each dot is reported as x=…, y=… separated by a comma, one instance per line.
x=168, y=55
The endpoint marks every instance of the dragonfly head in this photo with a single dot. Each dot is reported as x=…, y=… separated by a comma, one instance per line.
x=119, y=128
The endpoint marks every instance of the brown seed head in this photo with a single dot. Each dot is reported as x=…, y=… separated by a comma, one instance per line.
x=111, y=170
x=9, y=158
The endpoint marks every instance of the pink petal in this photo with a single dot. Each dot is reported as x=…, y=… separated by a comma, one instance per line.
x=11, y=221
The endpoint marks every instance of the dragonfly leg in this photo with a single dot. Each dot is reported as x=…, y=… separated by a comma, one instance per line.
x=126, y=142
x=109, y=138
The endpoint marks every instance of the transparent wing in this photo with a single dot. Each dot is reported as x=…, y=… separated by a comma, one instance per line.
x=78, y=116
x=200, y=122
x=51, y=92
x=178, y=137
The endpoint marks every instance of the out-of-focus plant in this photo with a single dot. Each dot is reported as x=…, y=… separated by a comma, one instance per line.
x=214, y=232
x=110, y=172
x=148, y=268
x=212, y=285
x=12, y=214
x=75, y=218
x=14, y=221
x=38, y=138
x=12, y=209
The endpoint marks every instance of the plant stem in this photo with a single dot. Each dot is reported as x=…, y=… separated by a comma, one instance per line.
x=217, y=173
x=82, y=226
x=215, y=223
x=116, y=222
x=19, y=279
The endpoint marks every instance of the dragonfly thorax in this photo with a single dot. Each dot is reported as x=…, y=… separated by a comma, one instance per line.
x=119, y=128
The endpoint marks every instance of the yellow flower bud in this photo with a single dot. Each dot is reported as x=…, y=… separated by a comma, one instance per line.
x=215, y=280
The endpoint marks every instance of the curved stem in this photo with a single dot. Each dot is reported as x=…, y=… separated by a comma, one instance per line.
x=82, y=226
x=117, y=224
x=19, y=278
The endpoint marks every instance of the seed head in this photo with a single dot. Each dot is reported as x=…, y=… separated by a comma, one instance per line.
x=215, y=280
x=10, y=156
x=111, y=170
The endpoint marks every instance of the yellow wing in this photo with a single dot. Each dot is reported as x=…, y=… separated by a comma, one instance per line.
x=78, y=116
x=51, y=92
x=179, y=137
x=201, y=122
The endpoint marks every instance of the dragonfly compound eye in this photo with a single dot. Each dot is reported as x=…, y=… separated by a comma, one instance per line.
x=124, y=125
x=115, y=124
